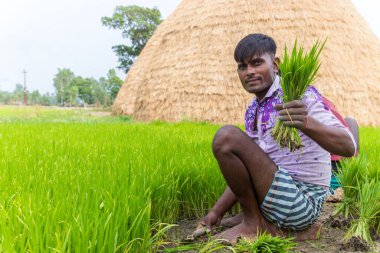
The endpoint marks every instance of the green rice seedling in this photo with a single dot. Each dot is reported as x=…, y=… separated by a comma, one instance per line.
x=216, y=245
x=369, y=211
x=181, y=248
x=266, y=243
x=159, y=236
x=298, y=72
x=211, y=245
x=351, y=174
x=101, y=186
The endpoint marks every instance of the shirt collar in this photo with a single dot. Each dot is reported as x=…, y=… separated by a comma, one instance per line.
x=273, y=88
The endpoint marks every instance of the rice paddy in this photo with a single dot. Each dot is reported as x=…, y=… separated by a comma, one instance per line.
x=72, y=182
x=98, y=185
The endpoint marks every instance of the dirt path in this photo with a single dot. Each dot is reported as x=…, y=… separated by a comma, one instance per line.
x=331, y=240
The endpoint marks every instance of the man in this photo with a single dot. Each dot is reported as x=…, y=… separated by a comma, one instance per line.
x=279, y=191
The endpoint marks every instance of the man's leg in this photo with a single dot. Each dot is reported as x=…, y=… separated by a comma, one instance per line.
x=249, y=173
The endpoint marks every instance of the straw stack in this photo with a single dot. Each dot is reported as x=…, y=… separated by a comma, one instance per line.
x=187, y=70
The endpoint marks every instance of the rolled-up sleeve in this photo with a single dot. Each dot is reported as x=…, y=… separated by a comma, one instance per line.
x=320, y=111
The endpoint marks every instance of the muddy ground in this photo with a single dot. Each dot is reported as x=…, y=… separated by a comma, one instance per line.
x=331, y=238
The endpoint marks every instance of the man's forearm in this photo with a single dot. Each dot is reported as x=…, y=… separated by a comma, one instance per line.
x=333, y=139
x=225, y=203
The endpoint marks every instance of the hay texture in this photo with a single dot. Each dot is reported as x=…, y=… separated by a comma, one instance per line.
x=187, y=71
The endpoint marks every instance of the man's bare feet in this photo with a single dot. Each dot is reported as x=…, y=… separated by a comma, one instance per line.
x=232, y=221
x=242, y=230
x=311, y=233
x=337, y=196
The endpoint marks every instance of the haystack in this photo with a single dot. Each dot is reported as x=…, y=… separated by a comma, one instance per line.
x=187, y=71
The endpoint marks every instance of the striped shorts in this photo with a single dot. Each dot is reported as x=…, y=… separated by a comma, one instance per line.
x=290, y=204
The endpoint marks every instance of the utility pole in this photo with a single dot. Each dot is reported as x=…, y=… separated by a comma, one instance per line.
x=25, y=91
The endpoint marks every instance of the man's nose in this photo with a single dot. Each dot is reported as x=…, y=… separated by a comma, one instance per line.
x=251, y=70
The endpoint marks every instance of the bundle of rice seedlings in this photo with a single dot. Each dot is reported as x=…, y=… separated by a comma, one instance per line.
x=298, y=72
x=369, y=211
x=351, y=175
x=265, y=243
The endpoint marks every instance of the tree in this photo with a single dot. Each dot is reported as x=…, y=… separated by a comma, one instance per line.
x=72, y=95
x=47, y=99
x=99, y=93
x=18, y=92
x=35, y=97
x=5, y=97
x=137, y=24
x=113, y=84
x=85, y=87
x=62, y=82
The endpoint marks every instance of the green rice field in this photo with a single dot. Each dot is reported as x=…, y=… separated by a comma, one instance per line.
x=74, y=182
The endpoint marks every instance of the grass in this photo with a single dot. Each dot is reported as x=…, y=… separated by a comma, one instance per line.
x=100, y=185
x=72, y=182
x=360, y=178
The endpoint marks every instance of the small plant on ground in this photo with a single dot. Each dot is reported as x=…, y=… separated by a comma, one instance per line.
x=368, y=211
x=266, y=243
x=350, y=175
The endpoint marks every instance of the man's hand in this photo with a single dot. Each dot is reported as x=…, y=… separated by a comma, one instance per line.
x=293, y=114
x=209, y=221
x=333, y=139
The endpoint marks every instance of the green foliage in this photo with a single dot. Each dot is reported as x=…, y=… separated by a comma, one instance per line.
x=85, y=187
x=137, y=25
x=298, y=72
x=85, y=88
x=113, y=84
x=19, y=89
x=110, y=87
x=351, y=175
x=70, y=90
x=368, y=210
x=266, y=243
x=360, y=179
x=77, y=90
x=63, y=88
x=34, y=97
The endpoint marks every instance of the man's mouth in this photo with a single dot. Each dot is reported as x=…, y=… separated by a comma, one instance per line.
x=252, y=80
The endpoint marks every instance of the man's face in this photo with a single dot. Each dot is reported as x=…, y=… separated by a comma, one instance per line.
x=257, y=74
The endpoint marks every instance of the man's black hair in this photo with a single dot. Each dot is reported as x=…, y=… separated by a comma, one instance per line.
x=255, y=44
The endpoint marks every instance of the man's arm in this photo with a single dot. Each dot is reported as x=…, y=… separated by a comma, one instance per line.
x=223, y=205
x=333, y=139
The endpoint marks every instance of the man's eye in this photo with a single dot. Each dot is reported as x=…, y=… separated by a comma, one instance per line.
x=242, y=67
x=256, y=63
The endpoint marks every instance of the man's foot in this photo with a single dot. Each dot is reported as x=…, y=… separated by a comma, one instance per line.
x=337, y=196
x=232, y=221
x=311, y=233
x=243, y=230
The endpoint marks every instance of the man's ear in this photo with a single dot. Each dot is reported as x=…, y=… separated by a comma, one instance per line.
x=276, y=64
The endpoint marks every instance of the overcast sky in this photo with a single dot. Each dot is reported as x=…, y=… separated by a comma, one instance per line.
x=41, y=36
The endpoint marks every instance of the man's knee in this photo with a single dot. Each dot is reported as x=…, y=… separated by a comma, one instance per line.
x=225, y=139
